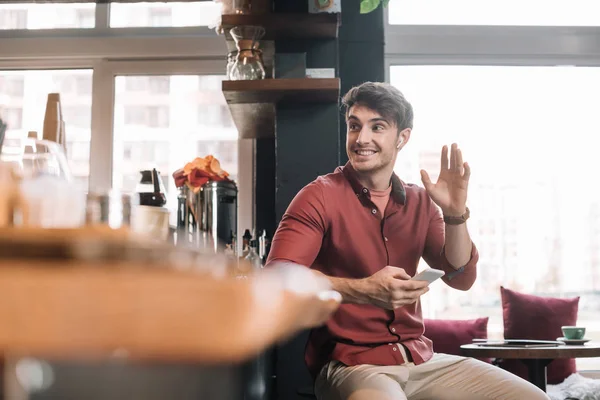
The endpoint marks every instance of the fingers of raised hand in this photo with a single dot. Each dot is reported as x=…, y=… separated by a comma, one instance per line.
x=467, y=173
x=456, y=161
x=444, y=159
x=459, y=161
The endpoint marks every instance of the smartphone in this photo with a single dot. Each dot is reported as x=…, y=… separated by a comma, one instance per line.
x=428, y=275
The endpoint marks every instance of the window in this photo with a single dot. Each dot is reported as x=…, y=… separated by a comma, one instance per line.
x=151, y=116
x=47, y=16
x=149, y=84
x=25, y=103
x=159, y=84
x=495, y=12
x=85, y=17
x=77, y=85
x=214, y=114
x=83, y=85
x=65, y=84
x=78, y=115
x=160, y=16
x=12, y=86
x=210, y=83
x=136, y=83
x=13, y=117
x=149, y=136
x=13, y=19
x=225, y=150
x=532, y=153
x=199, y=13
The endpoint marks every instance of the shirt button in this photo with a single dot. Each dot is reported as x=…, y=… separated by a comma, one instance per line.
x=393, y=348
x=393, y=329
x=374, y=211
x=365, y=190
x=386, y=239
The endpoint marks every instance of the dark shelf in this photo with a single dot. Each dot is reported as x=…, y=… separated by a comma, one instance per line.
x=282, y=90
x=287, y=25
x=252, y=103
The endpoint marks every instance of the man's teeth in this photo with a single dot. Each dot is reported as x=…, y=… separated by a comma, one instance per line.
x=365, y=152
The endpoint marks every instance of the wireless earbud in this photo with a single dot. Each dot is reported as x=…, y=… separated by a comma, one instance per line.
x=399, y=143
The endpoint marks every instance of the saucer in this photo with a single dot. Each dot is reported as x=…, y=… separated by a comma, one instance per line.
x=572, y=341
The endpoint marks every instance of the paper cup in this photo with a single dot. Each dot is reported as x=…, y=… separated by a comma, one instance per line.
x=151, y=221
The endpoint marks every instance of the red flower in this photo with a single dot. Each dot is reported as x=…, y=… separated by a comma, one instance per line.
x=180, y=178
x=200, y=171
x=198, y=177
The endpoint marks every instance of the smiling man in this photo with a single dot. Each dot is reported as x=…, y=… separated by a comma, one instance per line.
x=366, y=230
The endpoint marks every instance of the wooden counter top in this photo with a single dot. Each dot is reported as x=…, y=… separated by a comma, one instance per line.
x=84, y=311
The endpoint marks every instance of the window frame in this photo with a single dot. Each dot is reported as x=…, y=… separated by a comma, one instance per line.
x=125, y=51
x=490, y=45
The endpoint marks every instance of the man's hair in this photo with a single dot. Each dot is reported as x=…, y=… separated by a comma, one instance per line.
x=388, y=101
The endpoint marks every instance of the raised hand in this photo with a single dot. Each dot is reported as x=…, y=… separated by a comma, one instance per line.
x=450, y=190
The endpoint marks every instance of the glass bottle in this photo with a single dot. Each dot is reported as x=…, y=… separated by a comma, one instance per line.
x=253, y=258
x=249, y=63
x=231, y=58
x=246, y=242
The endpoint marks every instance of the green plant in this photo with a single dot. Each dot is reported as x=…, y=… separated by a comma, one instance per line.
x=366, y=6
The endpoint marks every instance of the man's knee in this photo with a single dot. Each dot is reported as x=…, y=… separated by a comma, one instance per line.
x=534, y=393
x=501, y=384
x=526, y=390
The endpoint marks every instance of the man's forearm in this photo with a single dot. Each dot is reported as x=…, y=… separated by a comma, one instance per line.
x=352, y=290
x=458, y=245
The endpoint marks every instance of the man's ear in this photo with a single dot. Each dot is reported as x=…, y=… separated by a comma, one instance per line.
x=403, y=137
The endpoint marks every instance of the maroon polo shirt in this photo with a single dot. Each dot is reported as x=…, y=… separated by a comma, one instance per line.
x=333, y=226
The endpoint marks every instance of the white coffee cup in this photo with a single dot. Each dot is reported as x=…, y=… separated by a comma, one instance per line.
x=151, y=221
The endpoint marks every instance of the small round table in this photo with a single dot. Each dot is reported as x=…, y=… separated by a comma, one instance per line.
x=536, y=358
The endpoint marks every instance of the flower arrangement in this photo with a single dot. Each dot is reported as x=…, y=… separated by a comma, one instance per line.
x=200, y=171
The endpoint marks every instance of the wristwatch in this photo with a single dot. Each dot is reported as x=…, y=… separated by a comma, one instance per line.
x=458, y=220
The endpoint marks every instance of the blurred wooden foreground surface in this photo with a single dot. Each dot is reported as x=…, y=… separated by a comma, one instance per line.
x=74, y=311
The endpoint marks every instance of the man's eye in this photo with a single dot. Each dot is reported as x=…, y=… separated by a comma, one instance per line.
x=378, y=128
x=354, y=127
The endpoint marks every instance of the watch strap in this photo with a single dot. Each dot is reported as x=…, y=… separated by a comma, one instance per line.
x=458, y=220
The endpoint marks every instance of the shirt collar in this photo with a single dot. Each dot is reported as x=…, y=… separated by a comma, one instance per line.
x=398, y=192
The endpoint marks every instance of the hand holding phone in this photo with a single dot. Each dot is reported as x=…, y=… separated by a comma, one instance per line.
x=428, y=275
x=391, y=288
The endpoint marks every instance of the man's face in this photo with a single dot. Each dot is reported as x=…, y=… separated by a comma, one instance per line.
x=372, y=140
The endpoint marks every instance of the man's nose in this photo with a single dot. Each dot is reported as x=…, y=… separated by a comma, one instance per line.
x=364, y=136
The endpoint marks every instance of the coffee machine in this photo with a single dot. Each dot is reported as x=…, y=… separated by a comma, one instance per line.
x=207, y=218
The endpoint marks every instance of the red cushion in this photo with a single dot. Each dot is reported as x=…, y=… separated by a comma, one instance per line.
x=448, y=335
x=533, y=317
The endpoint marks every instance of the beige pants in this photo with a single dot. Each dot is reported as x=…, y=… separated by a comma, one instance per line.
x=444, y=377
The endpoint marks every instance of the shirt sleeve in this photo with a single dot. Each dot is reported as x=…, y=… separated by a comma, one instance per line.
x=300, y=233
x=434, y=254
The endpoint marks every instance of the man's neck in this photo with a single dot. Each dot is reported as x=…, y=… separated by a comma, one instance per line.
x=376, y=180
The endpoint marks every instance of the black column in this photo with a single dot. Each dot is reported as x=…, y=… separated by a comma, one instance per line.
x=361, y=53
x=264, y=186
x=310, y=141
